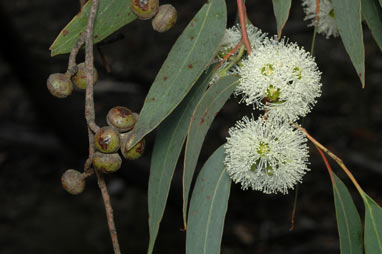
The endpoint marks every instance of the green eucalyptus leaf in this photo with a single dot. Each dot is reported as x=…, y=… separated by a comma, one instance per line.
x=202, y=117
x=208, y=207
x=348, y=220
x=111, y=16
x=372, y=12
x=348, y=19
x=168, y=145
x=281, y=9
x=373, y=226
x=188, y=58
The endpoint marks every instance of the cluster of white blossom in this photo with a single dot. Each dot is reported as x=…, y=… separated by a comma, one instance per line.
x=266, y=156
x=269, y=154
x=280, y=78
x=326, y=18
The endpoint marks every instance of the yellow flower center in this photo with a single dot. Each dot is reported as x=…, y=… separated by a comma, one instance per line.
x=267, y=70
x=273, y=93
x=331, y=13
x=297, y=71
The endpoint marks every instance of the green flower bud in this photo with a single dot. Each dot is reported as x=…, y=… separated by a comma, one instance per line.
x=59, y=85
x=144, y=9
x=121, y=118
x=73, y=181
x=107, y=140
x=165, y=18
x=107, y=163
x=79, y=79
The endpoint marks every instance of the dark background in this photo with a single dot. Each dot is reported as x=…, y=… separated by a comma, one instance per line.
x=41, y=136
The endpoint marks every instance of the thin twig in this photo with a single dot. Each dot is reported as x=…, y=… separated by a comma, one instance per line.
x=229, y=54
x=92, y=126
x=109, y=212
x=334, y=157
x=88, y=162
x=330, y=170
x=291, y=228
x=72, y=66
x=243, y=25
x=89, y=65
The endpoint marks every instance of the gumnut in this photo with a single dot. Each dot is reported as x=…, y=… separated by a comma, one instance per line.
x=107, y=163
x=144, y=9
x=136, y=151
x=59, y=85
x=121, y=118
x=73, y=181
x=107, y=140
x=165, y=18
x=79, y=79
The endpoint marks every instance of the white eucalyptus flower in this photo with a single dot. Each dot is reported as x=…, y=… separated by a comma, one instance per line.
x=231, y=38
x=280, y=78
x=266, y=156
x=327, y=25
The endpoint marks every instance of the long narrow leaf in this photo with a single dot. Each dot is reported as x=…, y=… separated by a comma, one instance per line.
x=188, y=58
x=372, y=12
x=202, y=117
x=111, y=16
x=348, y=19
x=373, y=226
x=208, y=207
x=168, y=145
x=348, y=220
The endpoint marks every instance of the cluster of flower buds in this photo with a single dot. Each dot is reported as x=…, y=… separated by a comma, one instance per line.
x=60, y=85
x=164, y=16
x=108, y=140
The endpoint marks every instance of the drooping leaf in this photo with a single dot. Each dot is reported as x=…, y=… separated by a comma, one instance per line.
x=111, y=16
x=168, y=145
x=208, y=207
x=372, y=12
x=189, y=56
x=373, y=226
x=281, y=9
x=348, y=220
x=348, y=19
x=202, y=117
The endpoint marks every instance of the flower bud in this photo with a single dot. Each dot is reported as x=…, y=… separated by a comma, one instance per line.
x=121, y=118
x=107, y=140
x=165, y=18
x=144, y=9
x=59, y=85
x=136, y=151
x=79, y=79
x=73, y=181
x=107, y=163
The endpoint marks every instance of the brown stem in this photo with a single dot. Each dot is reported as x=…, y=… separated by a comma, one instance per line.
x=109, y=212
x=72, y=66
x=89, y=66
x=90, y=118
x=243, y=25
x=333, y=156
